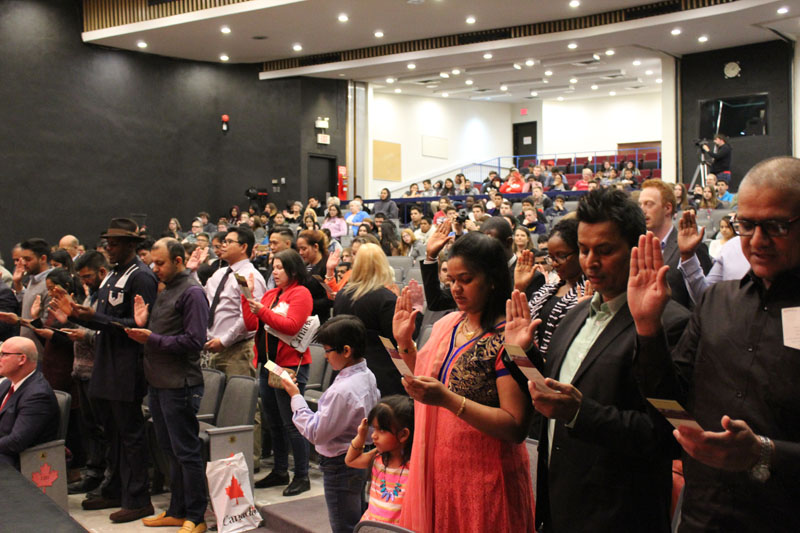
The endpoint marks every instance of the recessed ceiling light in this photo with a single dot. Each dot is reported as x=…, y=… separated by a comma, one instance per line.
x=545, y=80
x=636, y=63
x=560, y=98
x=455, y=72
x=574, y=3
x=573, y=80
x=783, y=10
x=470, y=20
x=529, y=62
x=297, y=47
x=676, y=31
x=390, y=80
x=444, y=75
x=469, y=82
x=594, y=87
x=445, y=95
x=343, y=17
x=411, y=66
x=548, y=72
x=572, y=46
x=610, y=52
x=398, y=90
x=378, y=33
x=648, y=72
x=487, y=55
x=612, y=93
x=141, y=44
x=702, y=38
x=517, y=66
x=504, y=87
x=225, y=29
x=659, y=80
x=224, y=57
x=534, y=93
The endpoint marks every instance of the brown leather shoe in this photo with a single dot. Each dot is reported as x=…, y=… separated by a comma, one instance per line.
x=100, y=502
x=191, y=527
x=129, y=515
x=163, y=520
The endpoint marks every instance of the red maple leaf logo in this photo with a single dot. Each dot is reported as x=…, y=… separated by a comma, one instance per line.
x=45, y=477
x=234, y=491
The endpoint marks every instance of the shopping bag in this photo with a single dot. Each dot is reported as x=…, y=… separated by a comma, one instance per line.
x=231, y=495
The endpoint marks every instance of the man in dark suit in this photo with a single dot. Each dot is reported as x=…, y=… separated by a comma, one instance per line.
x=658, y=202
x=604, y=454
x=28, y=407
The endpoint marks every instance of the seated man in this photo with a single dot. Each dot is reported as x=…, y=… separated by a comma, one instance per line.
x=28, y=410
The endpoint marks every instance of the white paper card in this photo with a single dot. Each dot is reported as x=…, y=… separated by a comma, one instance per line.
x=526, y=366
x=674, y=413
x=791, y=327
x=397, y=359
x=277, y=370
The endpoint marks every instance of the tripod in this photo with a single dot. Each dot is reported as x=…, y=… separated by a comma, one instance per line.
x=701, y=170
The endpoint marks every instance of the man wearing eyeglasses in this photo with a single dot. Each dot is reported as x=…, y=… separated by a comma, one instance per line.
x=737, y=365
x=28, y=407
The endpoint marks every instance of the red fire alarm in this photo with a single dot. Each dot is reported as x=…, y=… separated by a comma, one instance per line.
x=523, y=111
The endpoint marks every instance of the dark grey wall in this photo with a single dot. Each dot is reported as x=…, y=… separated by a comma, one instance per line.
x=90, y=133
x=766, y=68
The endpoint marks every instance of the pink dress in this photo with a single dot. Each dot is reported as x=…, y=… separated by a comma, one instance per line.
x=462, y=479
x=386, y=493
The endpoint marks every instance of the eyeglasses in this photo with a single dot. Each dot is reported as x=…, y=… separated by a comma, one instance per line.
x=329, y=350
x=230, y=241
x=560, y=258
x=3, y=354
x=773, y=228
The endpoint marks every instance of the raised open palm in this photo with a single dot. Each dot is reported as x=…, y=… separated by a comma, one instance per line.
x=648, y=291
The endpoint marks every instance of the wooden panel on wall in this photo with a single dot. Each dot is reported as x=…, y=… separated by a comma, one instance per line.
x=386, y=161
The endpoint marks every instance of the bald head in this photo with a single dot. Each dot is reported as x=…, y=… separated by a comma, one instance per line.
x=782, y=173
x=18, y=358
x=69, y=243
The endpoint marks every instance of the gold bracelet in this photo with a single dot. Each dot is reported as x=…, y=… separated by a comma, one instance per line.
x=461, y=409
x=413, y=345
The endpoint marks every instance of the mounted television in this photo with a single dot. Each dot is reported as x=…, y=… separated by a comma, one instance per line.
x=738, y=116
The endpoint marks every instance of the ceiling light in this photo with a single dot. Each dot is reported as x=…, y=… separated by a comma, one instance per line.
x=444, y=75
x=609, y=52
x=573, y=80
x=487, y=55
x=676, y=31
x=574, y=3
x=504, y=87
x=529, y=62
x=343, y=17
x=783, y=10
x=517, y=66
x=659, y=80
x=636, y=63
x=390, y=80
x=398, y=90
x=225, y=29
x=560, y=98
x=141, y=44
x=445, y=95
x=548, y=72
x=469, y=82
x=545, y=80
x=702, y=38
x=572, y=46
x=648, y=72
x=224, y=57
x=612, y=93
x=594, y=87
x=470, y=20
x=297, y=47
x=534, y=93
x=455, y=72
x=411, y=66
x=378, y=33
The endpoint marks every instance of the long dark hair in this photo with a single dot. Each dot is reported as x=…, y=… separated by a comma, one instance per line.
x=485, y=255
x=293, y=266
x=394, y=414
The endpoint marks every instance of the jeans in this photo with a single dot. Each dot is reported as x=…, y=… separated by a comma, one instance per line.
x=344, y=493
x=177, y=430
x=278, y=411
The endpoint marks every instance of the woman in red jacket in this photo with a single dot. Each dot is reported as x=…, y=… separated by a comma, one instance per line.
x=283, y=309
x=514, y=184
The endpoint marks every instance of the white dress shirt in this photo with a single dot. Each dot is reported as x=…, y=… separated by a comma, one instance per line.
x=228, y=324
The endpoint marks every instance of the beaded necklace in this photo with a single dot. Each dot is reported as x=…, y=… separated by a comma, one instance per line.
x=391, y=495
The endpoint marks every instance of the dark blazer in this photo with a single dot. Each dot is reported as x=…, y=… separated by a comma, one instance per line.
x=672, y=257
x=612, y=470
x=30, y=417
x=8, y=304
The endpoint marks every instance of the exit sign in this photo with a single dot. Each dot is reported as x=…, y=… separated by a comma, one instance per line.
x=523, y=111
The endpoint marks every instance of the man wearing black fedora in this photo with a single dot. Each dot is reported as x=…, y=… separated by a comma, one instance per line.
x=117, y=384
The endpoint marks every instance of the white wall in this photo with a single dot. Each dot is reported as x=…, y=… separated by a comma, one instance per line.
x=595, y=124
x=475, y=132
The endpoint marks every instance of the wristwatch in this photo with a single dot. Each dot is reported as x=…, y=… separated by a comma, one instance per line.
x=760, y=472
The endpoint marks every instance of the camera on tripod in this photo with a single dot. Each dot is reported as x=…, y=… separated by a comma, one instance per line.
x=702, y=142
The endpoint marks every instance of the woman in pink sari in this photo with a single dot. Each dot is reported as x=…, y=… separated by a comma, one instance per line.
x=469, y=470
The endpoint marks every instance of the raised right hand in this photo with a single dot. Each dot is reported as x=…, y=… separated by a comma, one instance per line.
x=648, y=291
x=141, y=311
x=404, y=319
x=688, y=236
x=333, y=260
x=524, y=271
x=439, y=239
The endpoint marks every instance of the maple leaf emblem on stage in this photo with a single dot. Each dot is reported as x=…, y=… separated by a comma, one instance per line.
x=45, y=477
x=234, y=491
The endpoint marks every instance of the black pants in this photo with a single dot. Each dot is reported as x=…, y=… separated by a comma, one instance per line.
x=94, y=440
x=127, y=459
